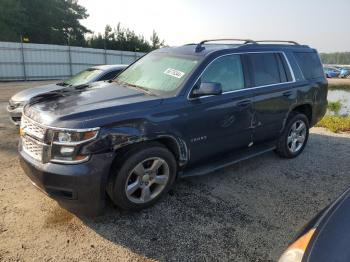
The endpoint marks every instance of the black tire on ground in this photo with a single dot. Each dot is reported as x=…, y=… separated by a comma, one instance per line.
x=283, y=147
x=120, y=174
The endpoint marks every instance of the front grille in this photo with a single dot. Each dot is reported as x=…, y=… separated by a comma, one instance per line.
x=32, y=147
x=32, y=128
x=33, y=135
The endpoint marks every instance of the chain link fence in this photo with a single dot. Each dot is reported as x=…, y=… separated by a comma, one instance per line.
x=23, y=61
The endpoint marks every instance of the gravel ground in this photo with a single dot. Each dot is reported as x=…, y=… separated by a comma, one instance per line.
x=246, y=212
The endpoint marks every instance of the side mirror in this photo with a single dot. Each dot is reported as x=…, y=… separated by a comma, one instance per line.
x=207, y=89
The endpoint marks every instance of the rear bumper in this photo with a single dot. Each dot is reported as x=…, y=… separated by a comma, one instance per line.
x=79, y=188
x=15, y=115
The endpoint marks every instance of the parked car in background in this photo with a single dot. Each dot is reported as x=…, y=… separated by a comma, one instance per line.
x=331, y=72
x=92, y=74
x=326, y=237
x=344, y=72
x=176, y=112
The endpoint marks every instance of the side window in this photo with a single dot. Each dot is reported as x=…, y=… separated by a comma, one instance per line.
x=266, y=69
x=310, y=65
x=227, y=71
x=110, y=75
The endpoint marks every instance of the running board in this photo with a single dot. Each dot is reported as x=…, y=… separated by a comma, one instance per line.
x=227, y=160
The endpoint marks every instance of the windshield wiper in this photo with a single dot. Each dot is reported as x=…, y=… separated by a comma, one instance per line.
x=147, y=91
x=82, y=86
x=142, y=88
x=62, y=84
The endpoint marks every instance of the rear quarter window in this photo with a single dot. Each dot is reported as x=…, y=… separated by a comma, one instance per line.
x=110, y=75
x=310, y=65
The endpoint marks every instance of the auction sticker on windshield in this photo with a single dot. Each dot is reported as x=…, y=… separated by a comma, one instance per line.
x=174, y=73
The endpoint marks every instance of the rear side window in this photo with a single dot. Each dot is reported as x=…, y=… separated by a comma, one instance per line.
x=110, y=75
x=310, y=65
x=266, y=69
x=227, y=71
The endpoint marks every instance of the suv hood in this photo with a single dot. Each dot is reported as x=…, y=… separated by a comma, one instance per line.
x=87, y=106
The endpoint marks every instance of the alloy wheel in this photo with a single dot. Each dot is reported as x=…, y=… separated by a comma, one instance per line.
x=296, y=137
x=147, y=180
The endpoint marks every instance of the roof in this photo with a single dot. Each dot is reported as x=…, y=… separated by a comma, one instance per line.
x=109, y=67
x=204, y=48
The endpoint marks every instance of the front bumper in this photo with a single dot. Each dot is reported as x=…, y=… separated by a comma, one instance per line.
x=15, y=114
x=79, y=188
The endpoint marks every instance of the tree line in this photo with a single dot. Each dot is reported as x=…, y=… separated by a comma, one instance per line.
x=58, y=22
x=339, y=58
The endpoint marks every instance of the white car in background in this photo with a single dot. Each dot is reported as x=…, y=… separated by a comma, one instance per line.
x=92, y=74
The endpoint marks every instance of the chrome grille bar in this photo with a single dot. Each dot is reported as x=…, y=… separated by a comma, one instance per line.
x=32, y=147
x=31, y=128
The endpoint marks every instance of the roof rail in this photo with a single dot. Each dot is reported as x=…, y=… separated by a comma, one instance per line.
x=200, y=48
x=277, y=41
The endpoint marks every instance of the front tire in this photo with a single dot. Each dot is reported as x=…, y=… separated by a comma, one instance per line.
x=142, y=176
x=294, y=137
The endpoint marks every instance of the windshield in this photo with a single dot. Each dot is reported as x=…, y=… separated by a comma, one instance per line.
x=158, y=73
x=83, y=77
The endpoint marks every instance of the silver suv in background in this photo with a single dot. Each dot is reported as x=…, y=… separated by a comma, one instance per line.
x=92, y=74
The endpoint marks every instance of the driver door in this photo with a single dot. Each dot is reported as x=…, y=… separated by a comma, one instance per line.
x=220, y=123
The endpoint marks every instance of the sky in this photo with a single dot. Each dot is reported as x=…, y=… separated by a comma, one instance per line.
x=322, y=24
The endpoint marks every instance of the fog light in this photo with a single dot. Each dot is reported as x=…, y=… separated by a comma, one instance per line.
x=66, y=150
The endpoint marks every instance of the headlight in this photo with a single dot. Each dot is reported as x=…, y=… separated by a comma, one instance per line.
x=73, y=137
x=16, y=104
x=66, y=145
x=295, y=251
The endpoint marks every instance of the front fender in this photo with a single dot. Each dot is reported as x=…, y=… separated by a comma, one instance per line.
x=112, y=139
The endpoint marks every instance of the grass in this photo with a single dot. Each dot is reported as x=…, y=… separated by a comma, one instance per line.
x=335, y=123
x=334, y=107
x=339, y=86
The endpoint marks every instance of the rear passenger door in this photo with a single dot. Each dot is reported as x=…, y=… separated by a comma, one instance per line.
x=274, y=93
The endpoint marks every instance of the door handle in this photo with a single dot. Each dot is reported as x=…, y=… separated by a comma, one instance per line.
x=244, y=103
x=287, y=94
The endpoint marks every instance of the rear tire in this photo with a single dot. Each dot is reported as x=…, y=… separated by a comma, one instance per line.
x=294, y=137
x=140, y=178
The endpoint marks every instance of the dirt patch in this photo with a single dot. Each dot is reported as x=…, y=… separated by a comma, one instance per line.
x=57, y=216
x=339, y=82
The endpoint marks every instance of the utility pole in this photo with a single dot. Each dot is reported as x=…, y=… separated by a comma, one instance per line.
x=105, y=50
x=70, y=58
x=23, y=59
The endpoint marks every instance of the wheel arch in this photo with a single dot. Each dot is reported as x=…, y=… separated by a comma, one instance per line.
x=175, y=145
x=305, y=109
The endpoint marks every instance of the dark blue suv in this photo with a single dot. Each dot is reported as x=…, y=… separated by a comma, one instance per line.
x=176, y=112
